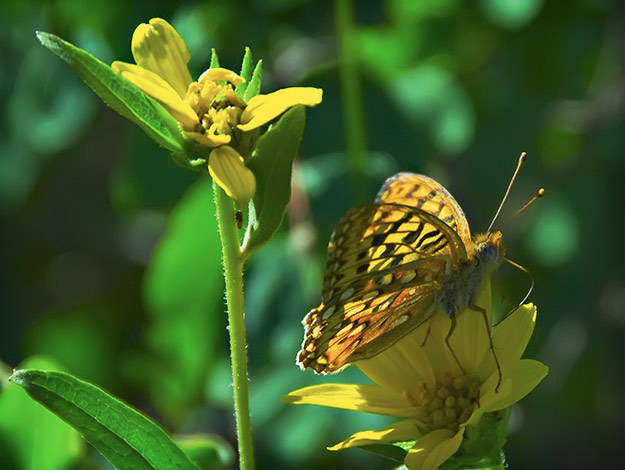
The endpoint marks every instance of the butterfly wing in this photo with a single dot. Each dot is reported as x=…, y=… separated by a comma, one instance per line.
x=385, y=266
x=430, y=196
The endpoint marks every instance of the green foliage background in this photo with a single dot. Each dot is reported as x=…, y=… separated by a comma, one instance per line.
x=110, y=264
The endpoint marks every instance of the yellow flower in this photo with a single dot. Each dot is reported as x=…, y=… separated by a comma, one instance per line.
x=208, y=110
x=437, y=400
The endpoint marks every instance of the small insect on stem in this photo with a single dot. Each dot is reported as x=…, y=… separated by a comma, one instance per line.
x=238, y=216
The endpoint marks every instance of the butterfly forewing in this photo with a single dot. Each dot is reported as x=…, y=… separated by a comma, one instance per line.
x=385, y=264
x=424, y=193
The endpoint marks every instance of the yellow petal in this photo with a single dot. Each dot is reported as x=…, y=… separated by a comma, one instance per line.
x=356, y=397
x=158, y=89
x=219, y=74
x=438, y=352
x=513, y=333
x=525, y=375
x=210, y=140
x=469, y=340
x=158, y=47
x=510, y=338
x=263, y=108
x=433, y=449
x=401, y=366
x=406, y=430
x=228, y=170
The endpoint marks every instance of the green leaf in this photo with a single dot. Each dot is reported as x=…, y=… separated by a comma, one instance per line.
x=119, y=93
x=253, y=88
x=30, y=434
x=271, y=164
x=128, y=439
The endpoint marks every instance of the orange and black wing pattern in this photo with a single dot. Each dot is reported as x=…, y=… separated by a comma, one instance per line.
x=385, y=265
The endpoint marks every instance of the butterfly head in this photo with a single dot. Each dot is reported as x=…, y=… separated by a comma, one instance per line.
x=489, y=249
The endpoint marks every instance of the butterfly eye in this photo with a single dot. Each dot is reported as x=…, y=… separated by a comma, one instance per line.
x=487, y=252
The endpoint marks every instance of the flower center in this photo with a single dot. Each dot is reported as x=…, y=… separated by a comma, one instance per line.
x=217, y=107
x=449, y=404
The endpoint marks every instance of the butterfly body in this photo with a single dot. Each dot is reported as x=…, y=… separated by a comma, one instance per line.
x=391, y=265
x=460, y=288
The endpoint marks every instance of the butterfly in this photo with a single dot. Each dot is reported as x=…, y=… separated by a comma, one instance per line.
x=391, y=265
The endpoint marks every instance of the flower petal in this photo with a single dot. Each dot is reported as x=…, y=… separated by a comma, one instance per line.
x=210, y=140
x=356, y=397
x=158, y=89
x=401, y=366
x=263, y=108
x=219, y=74
x=435, y=347
x=513, y=333
x=525, y=375
x=228, y=170
x=510, y=338
x=469, y=340
x=406, y=430
x=433, y=449
x=158, y=47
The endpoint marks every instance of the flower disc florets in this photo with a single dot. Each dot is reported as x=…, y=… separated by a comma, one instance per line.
x=448, y=405
x=217, y=107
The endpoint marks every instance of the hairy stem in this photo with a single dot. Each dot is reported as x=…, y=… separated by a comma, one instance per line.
x=233, y=273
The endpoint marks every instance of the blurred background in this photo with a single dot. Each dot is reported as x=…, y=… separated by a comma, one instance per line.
x=110, y=263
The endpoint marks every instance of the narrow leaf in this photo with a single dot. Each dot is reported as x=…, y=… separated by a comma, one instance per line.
x=214, y=59
x=253, y=88
x=125, y=437
x=271, y=165
x=246, y=73
x=119, y=93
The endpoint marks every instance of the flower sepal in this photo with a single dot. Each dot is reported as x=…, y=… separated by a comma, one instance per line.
x=395, y=451
x=253, y=76
x=481, y=445
x=120, y=94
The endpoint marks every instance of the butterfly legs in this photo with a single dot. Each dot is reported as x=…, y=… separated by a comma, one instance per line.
x=490, y=341
x=452, y=327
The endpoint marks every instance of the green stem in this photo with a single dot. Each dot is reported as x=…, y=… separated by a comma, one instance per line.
x=351, y=92
x=233, y=273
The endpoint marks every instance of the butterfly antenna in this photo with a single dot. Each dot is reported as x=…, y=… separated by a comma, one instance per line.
x=526, y=271
x=540, y=193
x=522, y=159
